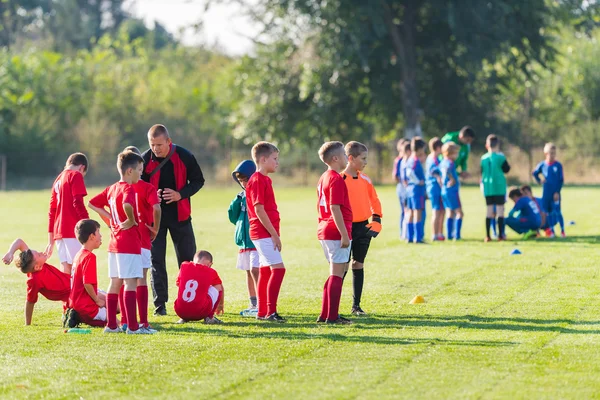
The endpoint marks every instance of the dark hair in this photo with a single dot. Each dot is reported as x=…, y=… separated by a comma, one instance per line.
x=355, y=148
x=128, y=159
x=492, y=141
x=203, y=254
x=435, y=143
x=158, y=130
x=515, y=192
x=526, y=188
x=407, y=146
x=85, y=228
x=25, y=261
x=77, y=159
x=329, y=149
x=467, y=131
x=132, y=149
x=417, y=144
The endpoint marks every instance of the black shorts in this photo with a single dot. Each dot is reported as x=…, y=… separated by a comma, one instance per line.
x=495, y=200
x=360, y=242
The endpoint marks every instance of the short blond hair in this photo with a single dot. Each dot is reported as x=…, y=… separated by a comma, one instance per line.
x=263, y=149
x=449, y=148
x=548, y=147
x=355, y=148
x=329, y=149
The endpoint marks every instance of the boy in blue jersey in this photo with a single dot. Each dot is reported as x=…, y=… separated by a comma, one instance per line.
x=403, y=148
x=433, y=179
x=553, y=180
x=414, y=179
x=525, y=217
x=547, y=220
x=450, y=191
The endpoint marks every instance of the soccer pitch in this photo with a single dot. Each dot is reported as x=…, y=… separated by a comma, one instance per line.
x=493, y=325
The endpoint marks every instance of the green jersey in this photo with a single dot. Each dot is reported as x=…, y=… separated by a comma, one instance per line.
x=463, y=151
x=493, y=168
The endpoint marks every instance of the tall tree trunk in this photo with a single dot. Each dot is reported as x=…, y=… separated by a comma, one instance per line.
x=404, y=44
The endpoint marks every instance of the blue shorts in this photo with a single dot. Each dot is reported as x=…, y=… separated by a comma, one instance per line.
x=436, y=200
x=415, y=203
x=548, y=203
x=451, y=201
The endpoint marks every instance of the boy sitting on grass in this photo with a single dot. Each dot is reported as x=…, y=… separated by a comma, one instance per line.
x=525, y=217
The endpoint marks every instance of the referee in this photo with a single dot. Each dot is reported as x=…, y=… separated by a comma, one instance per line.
x=176, y=175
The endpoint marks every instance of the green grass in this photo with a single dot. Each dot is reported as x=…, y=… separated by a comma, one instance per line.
x=494, y=325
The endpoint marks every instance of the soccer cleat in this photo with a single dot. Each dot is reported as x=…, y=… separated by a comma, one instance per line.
x=212, y=321
x=441, y=238
x=502, y=238
x=275, y=318
x=116, y=330
x=259, y=318
x=160, y=311
x=339, y=321
x=356, y=310
x=124, y=327
x=73, y=320
x=563, y=235
x=529, y=235
x=249, y=312
x=65, y=317
x=140, y=331
x=487, y=239
x=181, y=321
x=149, y=328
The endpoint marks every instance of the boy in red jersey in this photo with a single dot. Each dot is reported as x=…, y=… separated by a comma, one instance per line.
x=200, y=294
x=85, y=300
x=41, y=277
x=125, y=247
x=365, y=204
x=149, y=214
x=66, y=209
x=335, y=228
x=264, y=230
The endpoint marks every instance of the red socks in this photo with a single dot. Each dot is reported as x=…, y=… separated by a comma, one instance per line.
x=112, y=300
x=273, y=289
x=325, y=305
x=142, y=301
x=122, y=305
x=334, y=289
x=130, y=313
x=264, y=274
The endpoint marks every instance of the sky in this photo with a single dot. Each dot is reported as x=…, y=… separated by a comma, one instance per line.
x=224, y=25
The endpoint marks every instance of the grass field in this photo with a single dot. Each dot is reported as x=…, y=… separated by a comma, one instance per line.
x=493, y=326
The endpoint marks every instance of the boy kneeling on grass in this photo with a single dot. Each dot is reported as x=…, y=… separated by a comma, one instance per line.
x=525, y=217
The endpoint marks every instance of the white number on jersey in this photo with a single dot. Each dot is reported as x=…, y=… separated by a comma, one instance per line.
x=189, y=293
x=113, y=211
x=533, y=205
x=57, y=191
x=322, y=201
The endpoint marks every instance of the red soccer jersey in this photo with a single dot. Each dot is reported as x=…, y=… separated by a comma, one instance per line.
x=145, y=197
x=84, y=272
x=50, y=282
x=332, y=190
x=126, y=241
x=193, y=302
x=259, y=190
x=64, y=212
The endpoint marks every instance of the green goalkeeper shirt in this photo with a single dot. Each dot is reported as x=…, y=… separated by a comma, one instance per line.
x=493, y=168
x=463, y=151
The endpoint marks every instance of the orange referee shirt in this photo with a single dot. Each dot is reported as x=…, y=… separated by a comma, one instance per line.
x=363, y=197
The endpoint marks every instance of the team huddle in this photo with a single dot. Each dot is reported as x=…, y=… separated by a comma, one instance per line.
x=439, y=182
x=349, y=216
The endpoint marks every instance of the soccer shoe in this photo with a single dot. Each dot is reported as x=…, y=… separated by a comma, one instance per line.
x=65, y=317
x=149, y=328
x=160, y=311
x=116, y=330
x=124, y=327
x=487, y=239
x=502, y=238
x=140, y=331
x=212, y=321
x=356, y=310
x=563, y=235
x=260, y=318
x=74, y=319
x=549, y=233
x=181, y=321
x=441, y=238
x=339, y=321
x=529, y=235
x=275, y=318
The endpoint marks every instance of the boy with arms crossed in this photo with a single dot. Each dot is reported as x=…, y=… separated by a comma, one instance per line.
x=493, y=169
x=264, y=230
x=335, y=228
x=364, y=204
x=66, y=209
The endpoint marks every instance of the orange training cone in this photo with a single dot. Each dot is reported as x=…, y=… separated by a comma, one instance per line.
x=418, y=300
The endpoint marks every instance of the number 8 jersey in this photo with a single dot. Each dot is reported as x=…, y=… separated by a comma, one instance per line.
x=193, y=302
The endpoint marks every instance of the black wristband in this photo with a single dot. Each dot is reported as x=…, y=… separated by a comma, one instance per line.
x=376, y=218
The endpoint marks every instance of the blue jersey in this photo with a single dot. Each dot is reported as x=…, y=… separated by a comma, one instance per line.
x=553, y=175
x=528, y=210
x=398, y=164
x=448, y=169
x=413, y=175
x=432, y=172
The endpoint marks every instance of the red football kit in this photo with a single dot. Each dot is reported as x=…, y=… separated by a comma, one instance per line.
x=84, y=272
x=193, y=302
x=145, y=199
x=332, y=190
x=50, y=282
x=66, y=204
x=259, y=190
x=126, y=241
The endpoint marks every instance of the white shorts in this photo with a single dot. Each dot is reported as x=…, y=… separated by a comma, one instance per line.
x=146, y=259
x=214, y=294
x=124, y=266
x=334, y=252
x=101, y=316
x=267, y=254
x=247, y=260
x=67, y=248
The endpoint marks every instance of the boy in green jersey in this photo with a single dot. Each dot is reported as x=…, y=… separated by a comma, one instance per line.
x=493, y=169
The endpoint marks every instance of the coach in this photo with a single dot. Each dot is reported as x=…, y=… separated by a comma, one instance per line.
x=463, y=139
x=175, y=173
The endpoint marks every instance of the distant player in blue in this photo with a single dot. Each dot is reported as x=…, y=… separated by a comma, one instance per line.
x=547, y=220
x=525, y=217
x=403, y=148
x=553, y=180
x=414, y=179
x=433, y=180
x=450, y=191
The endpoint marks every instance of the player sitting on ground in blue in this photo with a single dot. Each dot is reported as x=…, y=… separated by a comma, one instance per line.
x=525, y=217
